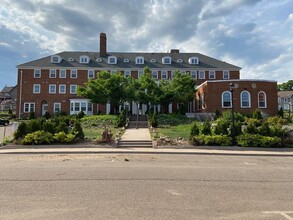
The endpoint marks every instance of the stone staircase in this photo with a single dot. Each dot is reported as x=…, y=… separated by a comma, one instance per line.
x=135, y=143
x=142, y=121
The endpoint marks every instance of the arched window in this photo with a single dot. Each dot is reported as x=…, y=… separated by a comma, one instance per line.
x=262, y=100
x=245, y=99
x=226, y=99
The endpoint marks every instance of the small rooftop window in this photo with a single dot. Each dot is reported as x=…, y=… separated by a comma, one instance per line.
x=99, y=60
x=70, y=59
x=153, y=61
x=179, y=61
x=56, y=59
x=84, y=59
x=126, y=60
x=166, y=60
x=112, y=60
x=139, y=60
x=193, y=60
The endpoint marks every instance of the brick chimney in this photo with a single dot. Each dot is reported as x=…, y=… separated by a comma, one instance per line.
x=103, y=45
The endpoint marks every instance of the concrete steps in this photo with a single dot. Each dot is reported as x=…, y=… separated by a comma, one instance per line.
x=135, y=143
x=140, y=124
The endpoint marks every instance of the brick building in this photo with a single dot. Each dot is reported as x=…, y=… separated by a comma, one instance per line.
x=49, y=84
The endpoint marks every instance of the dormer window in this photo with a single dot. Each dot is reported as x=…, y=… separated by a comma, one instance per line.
x=139, y=60
x=126, y=60
x=112, y=60
x=84, y=59
x=153, y=61
x=193, y=60
x=166, y=60
x=56, y=59
x=179, y=61
x=99, y=60
x=70, y=59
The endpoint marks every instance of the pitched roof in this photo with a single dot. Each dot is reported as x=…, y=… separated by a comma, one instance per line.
x=285, y=94
x=205, y=62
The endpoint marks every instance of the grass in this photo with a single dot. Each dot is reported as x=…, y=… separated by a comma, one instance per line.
x=94, y=132
x=182, y=131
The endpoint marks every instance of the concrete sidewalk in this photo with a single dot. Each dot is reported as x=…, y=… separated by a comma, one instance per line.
x=136, y=134
x=96, y=149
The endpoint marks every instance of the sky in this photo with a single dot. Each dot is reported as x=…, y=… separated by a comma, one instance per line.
x=256, y=35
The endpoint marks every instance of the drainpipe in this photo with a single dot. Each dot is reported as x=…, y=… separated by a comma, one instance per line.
x=20, y=94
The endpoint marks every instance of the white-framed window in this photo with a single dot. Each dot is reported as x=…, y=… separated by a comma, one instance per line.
x=52, y=73
x=90, y=74
x=127, y=73
x=126, y=60
x=73, y=73
x=70, y=59
x=193, y=60
x=112, y=60
x=245, y=99
x=73, y=89
x=62, y=89
x=56, y=59
x=226, y=74
x=193, y=74
x=139, y=60
x=164, y=74
x=212, y=74
x=78, y=105
x=172, y=73
x=52, y=88
x=262, y=100
x=57, y=107
x=140, y=73
x=36, y=88
x=155, y=74
x=153, y=61
x=84, y=59
x=28, y=107
x=226, y=99
x=201, y=74
x=166, y=60
x=62, y=73
x=99, y=60
x=179, y=61
x=37, y=73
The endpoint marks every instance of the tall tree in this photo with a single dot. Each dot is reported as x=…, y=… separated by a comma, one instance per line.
x=166, y=95
x=106, y=88
x=287, y=86
x=184, y=88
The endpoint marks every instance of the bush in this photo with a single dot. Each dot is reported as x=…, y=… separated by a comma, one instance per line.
x=62, y=127
x=34, y=125
x=264, y=129
x=80, y=115
x=62, y=137
x=21, y=130
x=47, y=115
x=49, y=126
x=77, y=129
x=256, y=140
x=206, y=130
x=251, y=128
x=100, y=121
x=122, y=119
x=31, y=116
x=256, y=114
x=217, y=113
x=194, y=130
x=212, y=140
x=281, y=112
x=38, y=137
x=153, y=120
x=276, y=120
x=221, y=127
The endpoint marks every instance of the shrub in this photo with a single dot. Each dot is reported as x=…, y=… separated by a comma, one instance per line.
x=77, y=129
x=194, y=130
x=256, y=114
x=264, y=129
x=281, y=112
x=21, y=130
x=211, y=140
x=221, y=127
x=49, y=126
x=62, y=137
x=10, y=111
x=47, y=115
x=276, y=120
x=31, y=116
x=38, y=137
x=80, y=115
x=34, y=125
x=206, y=130
x=122, y=119
x=62, y=127
x=217, y=113
x=256, y=140
x=153, y=120
x=251, y=128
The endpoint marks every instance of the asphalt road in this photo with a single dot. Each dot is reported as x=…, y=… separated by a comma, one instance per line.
x=145, y=187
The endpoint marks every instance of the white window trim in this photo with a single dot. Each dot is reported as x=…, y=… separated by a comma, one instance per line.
x=265, y=96
x=54, y=85
x=199, y=74
x=34, y=88
x=195, y=75
x=112, y=57
x=39, y=73
x=212, y=72
x=139, y=58
x=60, y=89
x=129, y=73
x=179, y=61
x=166, y=73
x=155, y=71
x=56, y=56
x=87, y=102
x=84, y=59
x=228, y=74
x=30, y=105
x=88, y=74
x=50, y=74
x=249, y=99
x=54, y=107
x=126, y=60
x=140, y=73
x=60, y=76
x=70, y=59
x=223, y=99
x=71, y=74
x=74, y=85
x=99, y=60
x=164, y=60
x=193, y=60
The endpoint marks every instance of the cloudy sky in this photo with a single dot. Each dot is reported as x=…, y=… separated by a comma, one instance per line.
x=256, y=35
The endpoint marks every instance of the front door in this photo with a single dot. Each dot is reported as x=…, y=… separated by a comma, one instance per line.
x=44, y=108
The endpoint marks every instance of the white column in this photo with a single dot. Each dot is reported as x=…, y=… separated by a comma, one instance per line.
x=108, y=108
x=170, y=107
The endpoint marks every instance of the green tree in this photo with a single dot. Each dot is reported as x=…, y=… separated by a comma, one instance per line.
x=166, y=94
x=106, y=88
x=183, y=88
x=287, y=86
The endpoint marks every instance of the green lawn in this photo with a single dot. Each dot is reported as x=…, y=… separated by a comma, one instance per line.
x=94, y=133
x=182, y=130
